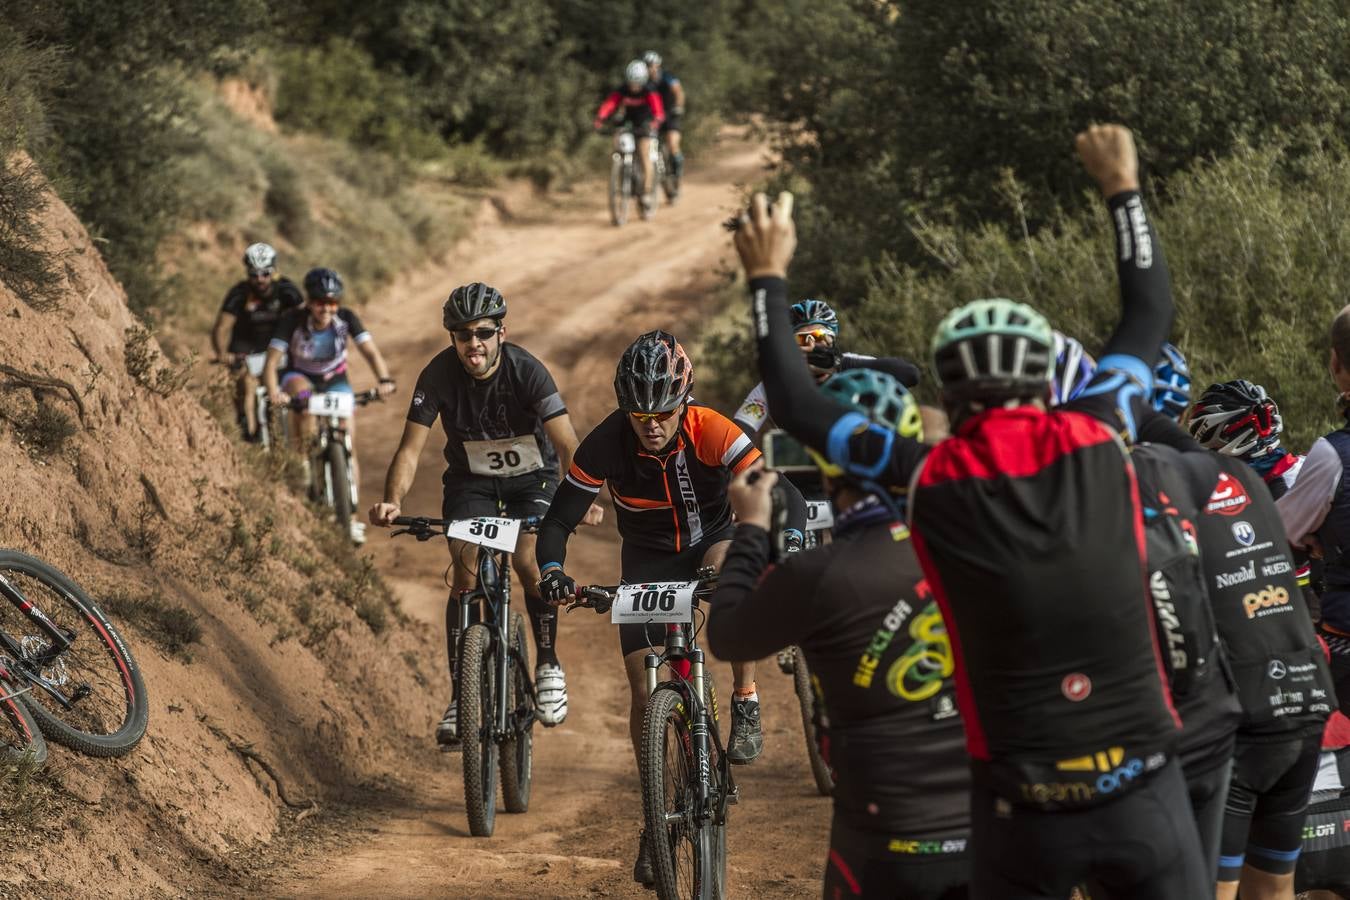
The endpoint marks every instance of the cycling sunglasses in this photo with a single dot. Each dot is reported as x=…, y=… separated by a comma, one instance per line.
x=816, y=336
x=325, y=301
x=464, y=335
x=644, y=418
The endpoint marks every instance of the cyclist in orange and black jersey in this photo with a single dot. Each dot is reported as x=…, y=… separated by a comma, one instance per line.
x=1028, y=526
x=668, y=463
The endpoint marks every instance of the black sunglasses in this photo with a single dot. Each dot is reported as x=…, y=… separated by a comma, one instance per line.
x=464, y=335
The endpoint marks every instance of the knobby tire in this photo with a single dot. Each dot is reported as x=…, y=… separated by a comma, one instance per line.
x=518, y=750
x=340, y=480
x=667, y=771
x=619, y=196
x=20, y=736
x=478, y=677
x=111, y=716
x=806, y=699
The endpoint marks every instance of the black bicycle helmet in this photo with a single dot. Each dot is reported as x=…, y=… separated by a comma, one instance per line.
x=471, y=302
x=323, y=283
x=654, y=374
x=1237, y=418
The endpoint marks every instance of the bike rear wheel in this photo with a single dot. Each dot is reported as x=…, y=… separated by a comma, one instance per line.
x=518, y=750
x=679, y=847
x=806, y=699
x=477, y=700
x=670, y=181
x=340, y=480
x=620, y=192
x=106, y=709
x=20, y=736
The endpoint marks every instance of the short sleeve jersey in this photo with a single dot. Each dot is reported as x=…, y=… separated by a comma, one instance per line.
x=672, y=500
x=665, y=86
x=514, y=402
x=323, y=353
x=255, y=318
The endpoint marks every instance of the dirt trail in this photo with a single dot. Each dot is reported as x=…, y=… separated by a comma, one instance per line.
x=578, y=290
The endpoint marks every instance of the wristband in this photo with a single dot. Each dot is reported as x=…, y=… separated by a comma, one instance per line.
x=548, y=567
x=386, y=381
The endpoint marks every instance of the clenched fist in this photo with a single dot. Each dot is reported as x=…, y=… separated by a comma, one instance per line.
x=766, y=240
x=1109, y=156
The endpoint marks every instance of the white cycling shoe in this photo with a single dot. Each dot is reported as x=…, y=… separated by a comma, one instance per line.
x=550, y=694
x=358, y=532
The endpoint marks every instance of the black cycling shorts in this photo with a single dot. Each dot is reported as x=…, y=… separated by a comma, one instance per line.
x=639, y=565
x=672, y=122
x=1324, y=864
x=896, y=867
x=1140, y=846
x=517, y=497
x=1267, y=805
x=1208, y=793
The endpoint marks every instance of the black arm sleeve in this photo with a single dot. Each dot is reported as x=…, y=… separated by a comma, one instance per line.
x=755, y=612
x=833, y=430
x=795, y=504
x=564, y=515
x=902, y=370
x=1145, y=289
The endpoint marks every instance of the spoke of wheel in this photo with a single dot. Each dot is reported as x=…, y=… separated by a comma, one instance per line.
x=679, y=795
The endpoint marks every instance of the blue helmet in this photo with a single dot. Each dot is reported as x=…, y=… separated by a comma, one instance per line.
x=1074, y=368
x=814, y=312
x=1171, y=383
x=323, y=284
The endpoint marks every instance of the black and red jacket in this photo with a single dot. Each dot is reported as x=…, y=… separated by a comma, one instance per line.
x=637, y=108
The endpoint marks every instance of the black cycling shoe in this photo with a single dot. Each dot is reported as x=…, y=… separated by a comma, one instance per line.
x=642, y=869
x=747, y=739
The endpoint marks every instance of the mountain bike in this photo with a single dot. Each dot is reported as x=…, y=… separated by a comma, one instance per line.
x=67, y=661
x=20, y=736
x=686, y=775
x=333, y=483
x=625, y=174
x=667, y=174
x=492, y=669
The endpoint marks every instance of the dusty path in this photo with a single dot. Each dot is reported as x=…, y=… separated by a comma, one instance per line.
x=578, y=290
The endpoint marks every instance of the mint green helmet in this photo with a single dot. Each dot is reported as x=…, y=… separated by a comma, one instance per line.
x=993, y=350
x=880, y=397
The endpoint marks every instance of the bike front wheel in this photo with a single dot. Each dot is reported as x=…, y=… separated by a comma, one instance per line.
x=620, y=192
x=518, y=750
x=90, y=698
x=340, y=480
x=683, y=852
x=20, y=737
x=806, y=699
x=477, y=702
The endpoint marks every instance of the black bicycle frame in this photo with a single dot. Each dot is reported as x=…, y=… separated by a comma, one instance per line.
x=28, y=665
x=493, y=597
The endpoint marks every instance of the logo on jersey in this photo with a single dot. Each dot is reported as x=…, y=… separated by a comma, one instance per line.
x=1229, y=497
x=1076, y=687
x=1241, y=576
x=1279, y=567
x=1244, y=533
x=1276, y=669
x=752, y=411
x=689, y=499
x=1265, y=601
x=419, y=398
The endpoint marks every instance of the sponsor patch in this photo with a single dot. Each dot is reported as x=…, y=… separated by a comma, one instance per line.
x=1229, y=497
x=1076, y=687
x=1244, y=533
x=1241, y=576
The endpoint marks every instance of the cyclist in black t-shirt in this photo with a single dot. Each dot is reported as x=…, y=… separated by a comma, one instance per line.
x=507, y=430
x=245, y=324
x=881, y=665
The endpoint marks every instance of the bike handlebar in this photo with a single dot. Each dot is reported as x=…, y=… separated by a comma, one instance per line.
x=424, y=529
x=600, y=597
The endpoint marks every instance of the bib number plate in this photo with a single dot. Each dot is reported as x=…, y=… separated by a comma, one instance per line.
x=504, y=457
x=667, y=602
x=338, y=404
x=819, y=515
x=486, y=531
x=627, y=143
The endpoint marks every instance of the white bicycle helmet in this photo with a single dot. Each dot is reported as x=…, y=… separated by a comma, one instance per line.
x=260, y=259
x=636, y=73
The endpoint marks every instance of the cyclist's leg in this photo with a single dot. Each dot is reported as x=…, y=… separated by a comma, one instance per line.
x=302, y=423
x=644, y=153
x=1208, y=793
x=672, y=135
x=244, y=383
x=524, y=496
x=463, y=498
x=1021, y=854
x=1276, y=834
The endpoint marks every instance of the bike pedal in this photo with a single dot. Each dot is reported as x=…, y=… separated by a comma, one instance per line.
x=733, y=796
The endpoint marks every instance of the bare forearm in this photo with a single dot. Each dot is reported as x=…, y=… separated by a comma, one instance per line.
x=399, y=480
x=376, y=360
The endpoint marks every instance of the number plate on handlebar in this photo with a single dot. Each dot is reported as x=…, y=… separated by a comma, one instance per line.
x=336, y=404
x=486, y=531
x=626, y=142
x=819, y=515
x=667, y=601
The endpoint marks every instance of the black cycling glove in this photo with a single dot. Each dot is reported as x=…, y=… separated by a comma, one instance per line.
x=556, y=587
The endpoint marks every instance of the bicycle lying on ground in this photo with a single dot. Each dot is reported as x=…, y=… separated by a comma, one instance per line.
x=492, y=669
x=686, y=775
x=333, y=482
x=66, y=663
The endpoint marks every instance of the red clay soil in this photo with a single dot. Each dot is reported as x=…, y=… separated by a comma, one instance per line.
x=344, y=714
